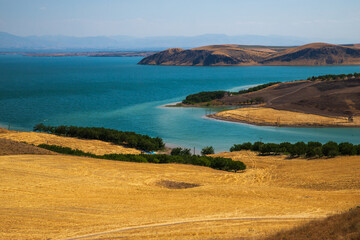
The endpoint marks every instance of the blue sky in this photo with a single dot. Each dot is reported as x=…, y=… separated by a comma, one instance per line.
x=314, y=19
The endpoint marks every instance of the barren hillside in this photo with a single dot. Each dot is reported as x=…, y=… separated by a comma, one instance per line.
x=217, y=55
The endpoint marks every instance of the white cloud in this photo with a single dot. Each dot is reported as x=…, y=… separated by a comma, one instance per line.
x=42, y=8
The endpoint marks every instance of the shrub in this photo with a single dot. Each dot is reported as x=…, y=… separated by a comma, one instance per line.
x=256, y=146
x=285, y=147
x=346, y=148
x=298, y=149
x=180, y=151
x=207, y=150
x=239, y=147
x=313, y=149
x=269, y=148
x=330, y=149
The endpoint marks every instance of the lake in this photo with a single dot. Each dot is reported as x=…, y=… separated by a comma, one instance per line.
x=115, y=92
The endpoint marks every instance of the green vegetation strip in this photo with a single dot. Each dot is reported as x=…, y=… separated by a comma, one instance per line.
x=204, y=97
x=129, y=139
x=225, y=164
x=334, y=77
x=301, y=149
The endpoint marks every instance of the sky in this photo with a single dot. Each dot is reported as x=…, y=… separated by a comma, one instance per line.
x=313, y=19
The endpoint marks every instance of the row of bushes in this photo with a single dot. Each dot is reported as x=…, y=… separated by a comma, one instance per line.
x=301, y=149
x=203, y=97
x=130, y=139
x=219, y=163
x=256, y=88
x=187, y=151
x=333, y=76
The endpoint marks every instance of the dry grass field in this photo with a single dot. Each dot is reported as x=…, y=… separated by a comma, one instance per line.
x=92, y=146
x=65, y=197
x=271, y=117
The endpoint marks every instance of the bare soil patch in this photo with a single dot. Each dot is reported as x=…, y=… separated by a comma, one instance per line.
x=176, y=185
x=9, y=147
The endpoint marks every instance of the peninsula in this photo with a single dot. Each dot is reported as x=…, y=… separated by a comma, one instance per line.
x=224, y=55
x=323, y=101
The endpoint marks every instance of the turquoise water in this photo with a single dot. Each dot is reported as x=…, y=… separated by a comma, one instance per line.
x=118, y=93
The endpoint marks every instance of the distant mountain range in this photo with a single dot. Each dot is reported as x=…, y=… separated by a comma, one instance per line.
x=222, y=55
x=9, y=42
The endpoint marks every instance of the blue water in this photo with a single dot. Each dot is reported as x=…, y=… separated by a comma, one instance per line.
x=117, y=93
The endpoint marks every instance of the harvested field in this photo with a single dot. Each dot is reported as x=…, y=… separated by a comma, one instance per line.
x=57, y=196
x=91, y=146
x=340, y=226
x=9, y=147
x=270, y=117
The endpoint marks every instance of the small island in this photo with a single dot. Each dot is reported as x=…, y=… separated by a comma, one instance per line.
x=322, y=101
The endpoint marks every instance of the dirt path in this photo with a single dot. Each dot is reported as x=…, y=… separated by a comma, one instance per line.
x=191, y=221
x=269, y=102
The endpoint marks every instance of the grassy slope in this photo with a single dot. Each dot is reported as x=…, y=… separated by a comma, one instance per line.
x=63, y=196
x=340, y=226
x=92, y=146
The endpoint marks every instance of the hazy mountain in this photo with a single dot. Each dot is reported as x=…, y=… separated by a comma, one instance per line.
x=9, y=42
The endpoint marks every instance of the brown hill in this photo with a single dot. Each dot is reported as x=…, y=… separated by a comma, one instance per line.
x=315, y=54
x=327, y=98
x=220, y=55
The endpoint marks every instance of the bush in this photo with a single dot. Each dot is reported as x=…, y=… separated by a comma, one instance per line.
x=180, y=151
x=330, y=149
x=239, y=147
x=314, y=149
x=207, y=150
x=269, y=149
x=256, y=146
x=346, y=148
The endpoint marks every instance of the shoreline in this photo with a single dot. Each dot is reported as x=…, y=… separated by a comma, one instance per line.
x=233, y=120
x=267, y=123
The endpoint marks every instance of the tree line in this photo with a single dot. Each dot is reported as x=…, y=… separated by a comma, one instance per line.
x=256, y=88
x=203, y=97
x=334, y=76
x=129, y=139
x=219, y=163
x=300, y=149
x=187, y=151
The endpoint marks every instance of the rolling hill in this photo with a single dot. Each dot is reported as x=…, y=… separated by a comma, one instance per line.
x=221, y=55
x=68, y=197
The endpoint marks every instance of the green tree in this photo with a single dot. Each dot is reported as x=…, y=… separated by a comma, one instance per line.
x=330, y=149
x=207, y=150
x=346, y=148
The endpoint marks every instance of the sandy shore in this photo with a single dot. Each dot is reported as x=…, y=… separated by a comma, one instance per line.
x=270, y=117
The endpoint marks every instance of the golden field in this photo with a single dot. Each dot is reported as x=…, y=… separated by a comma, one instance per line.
x=64, y=197
x=272, y=117
x=92, y=146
